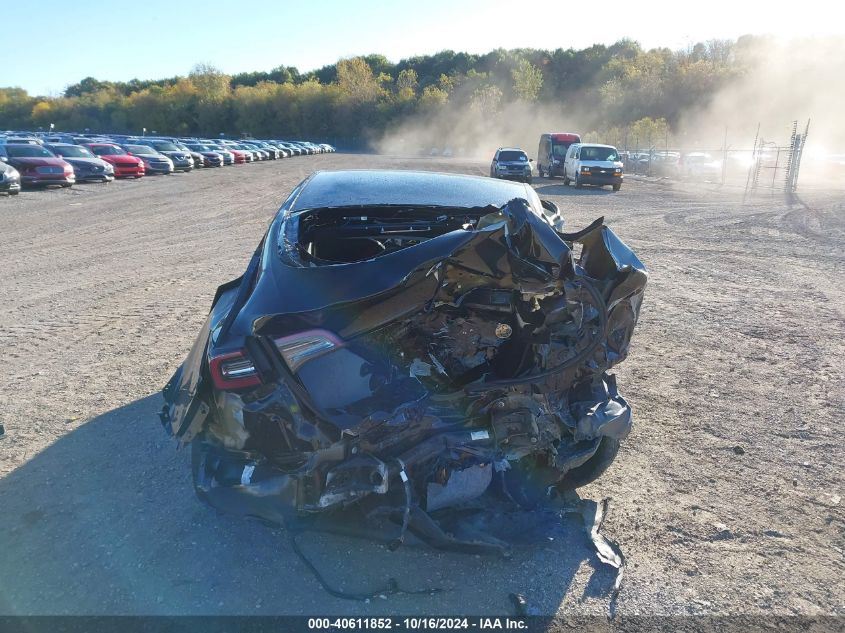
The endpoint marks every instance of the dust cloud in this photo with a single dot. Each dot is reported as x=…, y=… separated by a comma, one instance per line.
x=774, y=83
x=463, y=131
x=785, y=81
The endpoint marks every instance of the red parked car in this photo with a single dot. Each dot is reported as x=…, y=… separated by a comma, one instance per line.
x=125, y=165
x=37, y=166
x=241, y=156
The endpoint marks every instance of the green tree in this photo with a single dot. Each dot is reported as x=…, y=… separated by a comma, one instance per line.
x=87, y=85
x=486, y=100
x=647, y=133
x=211, y=83
x=433, y=97
x=356, y=80
x=527, y=80
x=407, y=80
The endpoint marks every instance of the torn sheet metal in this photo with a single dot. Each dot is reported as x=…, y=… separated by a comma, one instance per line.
x=607, y=551
x=463, y=485
x=388, y=355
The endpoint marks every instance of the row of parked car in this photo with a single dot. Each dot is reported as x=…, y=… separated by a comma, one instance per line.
x=39, y=160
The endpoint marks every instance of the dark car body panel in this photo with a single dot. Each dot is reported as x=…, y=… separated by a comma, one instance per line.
x=463, y=344
x=372, y=187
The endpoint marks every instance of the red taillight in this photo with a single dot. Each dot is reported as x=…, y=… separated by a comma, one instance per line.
x=233, y=371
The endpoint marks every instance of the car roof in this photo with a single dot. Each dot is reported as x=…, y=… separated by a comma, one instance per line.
x=423, y=188
x=595, y=145
x=510, y=149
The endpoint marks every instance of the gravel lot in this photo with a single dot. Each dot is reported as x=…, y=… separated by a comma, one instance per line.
x=726, y=498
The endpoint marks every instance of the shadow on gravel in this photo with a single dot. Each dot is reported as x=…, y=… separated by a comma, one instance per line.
x=570, y=190
x=104, y=521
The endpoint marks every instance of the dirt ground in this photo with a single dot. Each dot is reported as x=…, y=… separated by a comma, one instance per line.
x=726, y=498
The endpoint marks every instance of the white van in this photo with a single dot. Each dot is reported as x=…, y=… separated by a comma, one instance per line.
x=593, y=164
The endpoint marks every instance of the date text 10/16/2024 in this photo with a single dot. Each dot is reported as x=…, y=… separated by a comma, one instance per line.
x=417, y=624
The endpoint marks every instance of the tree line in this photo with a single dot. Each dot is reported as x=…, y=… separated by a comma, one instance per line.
x=615, y=88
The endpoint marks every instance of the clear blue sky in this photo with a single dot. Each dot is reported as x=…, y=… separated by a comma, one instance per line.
x=48, y=44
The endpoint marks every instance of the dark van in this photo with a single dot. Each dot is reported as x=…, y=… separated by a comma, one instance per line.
x=552, y=152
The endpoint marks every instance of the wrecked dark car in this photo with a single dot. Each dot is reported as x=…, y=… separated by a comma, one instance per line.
x=406, y=341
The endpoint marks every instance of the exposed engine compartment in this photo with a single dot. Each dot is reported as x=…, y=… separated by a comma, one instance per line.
x=485, y=364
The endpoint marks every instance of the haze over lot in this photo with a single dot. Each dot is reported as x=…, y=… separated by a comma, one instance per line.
x=160, y=39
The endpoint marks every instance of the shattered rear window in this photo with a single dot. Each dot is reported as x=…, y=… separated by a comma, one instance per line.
x=368, y=214
x=342, y=235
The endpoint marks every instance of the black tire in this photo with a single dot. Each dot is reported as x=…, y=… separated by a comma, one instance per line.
x=566, y=179
x=593, y=468
x=617, y=187
x=578, y=183
x=528, y=180
x=14, y=193
x=539, y=171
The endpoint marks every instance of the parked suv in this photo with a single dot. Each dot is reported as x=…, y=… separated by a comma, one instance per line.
x=511, y=163
x=592, y=164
